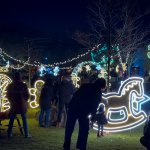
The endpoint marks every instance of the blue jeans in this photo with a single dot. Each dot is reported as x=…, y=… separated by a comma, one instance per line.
x=11, y=122
x=83, y=130
x=47, y=111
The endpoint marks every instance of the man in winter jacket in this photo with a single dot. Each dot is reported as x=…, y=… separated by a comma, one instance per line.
x=65, y=92
x=18, y=95
x=84, y=102
x=145, y=140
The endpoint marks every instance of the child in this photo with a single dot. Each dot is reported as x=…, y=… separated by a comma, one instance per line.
x=100, y=119
x=145, y=140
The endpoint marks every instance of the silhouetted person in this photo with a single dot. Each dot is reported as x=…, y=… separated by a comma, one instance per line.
x=65, y=92
x=145, y=140
x=45, y=100
x=55, y=89
x=18, y=95
x=84, y=102
x=101, y=120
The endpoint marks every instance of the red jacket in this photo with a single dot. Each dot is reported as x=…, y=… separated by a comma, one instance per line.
x=18, y=95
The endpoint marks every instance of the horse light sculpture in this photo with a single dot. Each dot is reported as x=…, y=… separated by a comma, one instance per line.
x=123, y=108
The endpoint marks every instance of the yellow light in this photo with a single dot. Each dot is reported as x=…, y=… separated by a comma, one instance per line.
x=75, y=79
x=36, y=91
x=4, y=103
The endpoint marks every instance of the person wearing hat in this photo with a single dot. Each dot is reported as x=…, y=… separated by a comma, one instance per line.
x=18, y=95
x=83, y=103
x=65, y=92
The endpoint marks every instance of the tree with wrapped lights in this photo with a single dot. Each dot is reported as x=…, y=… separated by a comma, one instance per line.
x=117, y=24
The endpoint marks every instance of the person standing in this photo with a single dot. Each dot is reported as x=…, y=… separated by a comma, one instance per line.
x=145, y=140
x=84, y=102
x=66, y=91
x=45, y=100
x=18, y=95
x=100, y=119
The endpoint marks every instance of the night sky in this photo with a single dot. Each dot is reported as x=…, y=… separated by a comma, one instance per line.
x=52, y=17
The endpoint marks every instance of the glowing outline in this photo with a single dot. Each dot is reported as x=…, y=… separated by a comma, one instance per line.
x=141, y=115
x=34, y=102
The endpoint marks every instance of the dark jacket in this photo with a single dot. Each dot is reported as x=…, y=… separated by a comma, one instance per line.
x=18, y=95
x=147, y=129
x=66, y=91
x=85, y=100
x=46, y=97
x=100, y=117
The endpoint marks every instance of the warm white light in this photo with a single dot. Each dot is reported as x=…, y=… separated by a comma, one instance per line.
x=75, y=80
x=36, y=91
x=126, y=103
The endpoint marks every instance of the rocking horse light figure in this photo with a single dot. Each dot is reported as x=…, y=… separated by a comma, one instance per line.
x=123, y=108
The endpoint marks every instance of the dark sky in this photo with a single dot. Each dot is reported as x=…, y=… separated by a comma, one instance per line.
x=53, y=17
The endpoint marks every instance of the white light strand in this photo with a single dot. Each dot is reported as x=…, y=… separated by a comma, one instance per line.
x=124, y=67
x=47, y=65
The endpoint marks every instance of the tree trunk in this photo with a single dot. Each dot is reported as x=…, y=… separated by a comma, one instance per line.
x=108, y=71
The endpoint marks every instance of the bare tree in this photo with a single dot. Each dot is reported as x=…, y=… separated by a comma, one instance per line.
x=115, y=23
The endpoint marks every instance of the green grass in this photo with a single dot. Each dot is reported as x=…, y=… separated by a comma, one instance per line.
x=52, y=138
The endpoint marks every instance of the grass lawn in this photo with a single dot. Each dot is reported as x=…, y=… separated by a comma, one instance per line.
x=52, y=138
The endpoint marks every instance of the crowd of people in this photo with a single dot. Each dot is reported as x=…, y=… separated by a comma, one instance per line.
x=76, y=103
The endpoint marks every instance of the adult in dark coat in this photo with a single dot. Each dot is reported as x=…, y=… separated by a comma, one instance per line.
x=84, y=102
x=18, y=95
x=65, y=92
x=45, y=101
x=145, y=140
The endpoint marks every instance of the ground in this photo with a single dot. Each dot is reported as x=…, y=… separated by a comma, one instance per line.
x=52, y=138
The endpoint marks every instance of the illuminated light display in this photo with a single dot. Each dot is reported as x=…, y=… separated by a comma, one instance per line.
x=148, y=53
x=100, y=52
x=42, y=69
x=35, y=92
x=123, y=108
x=4, y=103
x=124, y=67
x=117, y=68
x=75, y=79
x=98, y=67
x=56, y=70
x=88, y=68
x=2, y=53
x=85, y=64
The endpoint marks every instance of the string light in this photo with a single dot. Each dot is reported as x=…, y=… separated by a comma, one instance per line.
x=124, y=67
x=2, y=53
